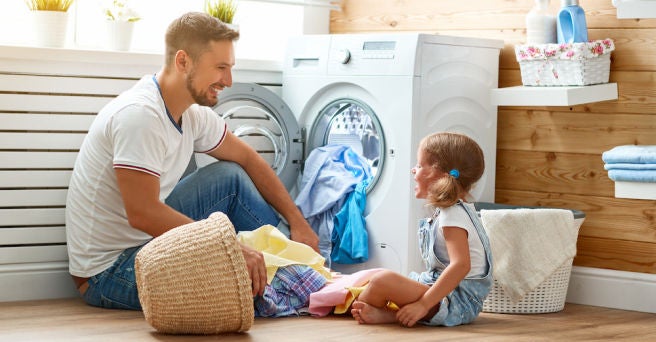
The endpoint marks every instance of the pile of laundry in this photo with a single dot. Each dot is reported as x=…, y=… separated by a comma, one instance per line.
x=631, y=163
x=298, y=283
x=332, y=197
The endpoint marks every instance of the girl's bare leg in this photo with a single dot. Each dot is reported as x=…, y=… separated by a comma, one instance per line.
x=385, y=286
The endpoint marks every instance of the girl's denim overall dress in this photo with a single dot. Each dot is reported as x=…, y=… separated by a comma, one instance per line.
x=465, y=302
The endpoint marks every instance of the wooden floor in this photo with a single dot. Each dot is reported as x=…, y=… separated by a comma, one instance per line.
x=72, y=320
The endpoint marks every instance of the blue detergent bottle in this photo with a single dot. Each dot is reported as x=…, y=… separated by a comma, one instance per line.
x=571, y=25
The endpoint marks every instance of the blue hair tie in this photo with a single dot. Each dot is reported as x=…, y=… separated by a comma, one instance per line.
x=455, y=173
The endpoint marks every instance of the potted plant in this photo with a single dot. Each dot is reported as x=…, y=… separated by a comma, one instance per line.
x=120, y=10
x=223, y=10
x=49, y=5
x=120, y=18
x=50, y=21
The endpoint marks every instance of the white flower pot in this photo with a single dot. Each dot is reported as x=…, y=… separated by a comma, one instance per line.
x=119, y=35
x=50, y=28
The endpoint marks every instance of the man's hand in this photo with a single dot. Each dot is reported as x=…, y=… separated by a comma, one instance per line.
x=269, y=185
x=256, y=269
x=303, y=233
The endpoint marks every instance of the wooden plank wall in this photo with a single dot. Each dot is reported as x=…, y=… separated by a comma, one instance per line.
x=551, y=156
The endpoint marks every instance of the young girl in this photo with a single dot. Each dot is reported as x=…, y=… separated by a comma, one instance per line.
x=452, y=242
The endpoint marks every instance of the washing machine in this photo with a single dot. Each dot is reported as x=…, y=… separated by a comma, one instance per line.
x=380, y=94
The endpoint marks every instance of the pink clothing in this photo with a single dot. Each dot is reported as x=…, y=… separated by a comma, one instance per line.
x=323, y=301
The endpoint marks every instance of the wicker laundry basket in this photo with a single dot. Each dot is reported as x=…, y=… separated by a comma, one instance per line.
x=548, y=297
x=193, y=280
x=574, y=64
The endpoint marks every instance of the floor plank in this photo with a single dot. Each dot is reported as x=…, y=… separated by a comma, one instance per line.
x=72, y=320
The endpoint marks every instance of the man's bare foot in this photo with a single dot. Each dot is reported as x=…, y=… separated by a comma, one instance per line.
x=369, y=314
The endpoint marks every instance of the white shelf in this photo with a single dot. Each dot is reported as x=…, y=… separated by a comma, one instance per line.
x=635, y=190
x=635, y=9
x=553, y=96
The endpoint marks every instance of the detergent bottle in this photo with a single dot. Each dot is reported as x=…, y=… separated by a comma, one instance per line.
x=571, y=25
x=540, y=24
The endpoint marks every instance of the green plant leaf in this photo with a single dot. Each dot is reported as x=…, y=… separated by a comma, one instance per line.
x=49, y=5
x=223, y=10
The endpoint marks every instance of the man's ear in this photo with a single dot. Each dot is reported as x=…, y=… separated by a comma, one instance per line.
x=181, y=61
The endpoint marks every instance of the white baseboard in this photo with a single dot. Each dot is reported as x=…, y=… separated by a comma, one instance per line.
x=35, y=281
x=612, y=289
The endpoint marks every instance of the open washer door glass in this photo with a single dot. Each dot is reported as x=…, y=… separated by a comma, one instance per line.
x=260, y=118
x=351, y=122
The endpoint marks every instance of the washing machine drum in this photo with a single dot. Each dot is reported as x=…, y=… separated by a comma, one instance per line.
x=351, y=122
x=261, y=119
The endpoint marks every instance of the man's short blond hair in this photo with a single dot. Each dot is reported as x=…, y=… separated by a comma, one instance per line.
x=192, y=32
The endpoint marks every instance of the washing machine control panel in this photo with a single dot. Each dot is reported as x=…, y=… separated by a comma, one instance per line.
x=370, y=50
x=378, y=49
x=343, y=56
x=371, y=55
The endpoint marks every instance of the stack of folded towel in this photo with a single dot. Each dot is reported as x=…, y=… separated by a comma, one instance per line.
x=631, y=163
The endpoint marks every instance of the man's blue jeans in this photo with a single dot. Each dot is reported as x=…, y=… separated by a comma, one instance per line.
x=221, y=186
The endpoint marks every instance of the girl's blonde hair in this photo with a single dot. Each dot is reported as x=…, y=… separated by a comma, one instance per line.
x=460, y=157
x=192, y=32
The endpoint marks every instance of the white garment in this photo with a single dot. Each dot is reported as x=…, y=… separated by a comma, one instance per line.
x=456, y=216
x=528, y=245
x=133, y=131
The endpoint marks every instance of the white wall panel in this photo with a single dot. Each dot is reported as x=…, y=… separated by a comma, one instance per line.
x=48, y=100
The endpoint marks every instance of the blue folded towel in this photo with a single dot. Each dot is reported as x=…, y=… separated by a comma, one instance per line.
x=629, y=166
x=643, y=176
x=635, y=154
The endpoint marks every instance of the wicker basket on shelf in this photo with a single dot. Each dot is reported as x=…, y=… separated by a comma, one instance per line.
x=573, y=64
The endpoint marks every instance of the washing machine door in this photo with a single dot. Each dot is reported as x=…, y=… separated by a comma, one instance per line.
x=351, y=122
x=260, y=118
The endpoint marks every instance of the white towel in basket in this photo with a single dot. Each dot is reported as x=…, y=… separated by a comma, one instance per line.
x=528, y=245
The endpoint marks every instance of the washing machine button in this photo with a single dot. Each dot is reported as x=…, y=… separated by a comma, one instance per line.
x=343, y=56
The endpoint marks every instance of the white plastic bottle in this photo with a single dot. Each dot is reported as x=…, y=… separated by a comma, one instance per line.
x=540, y=24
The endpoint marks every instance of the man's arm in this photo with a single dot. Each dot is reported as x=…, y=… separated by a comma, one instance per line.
x=269, y=185
x=140, y=192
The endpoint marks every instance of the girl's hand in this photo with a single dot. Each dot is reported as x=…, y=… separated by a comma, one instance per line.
x=409, y=314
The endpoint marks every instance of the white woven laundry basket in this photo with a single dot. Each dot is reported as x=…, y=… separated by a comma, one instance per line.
x=574, y=64
x=548, y=297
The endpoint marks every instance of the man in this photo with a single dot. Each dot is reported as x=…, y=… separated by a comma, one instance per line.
x=126, y=186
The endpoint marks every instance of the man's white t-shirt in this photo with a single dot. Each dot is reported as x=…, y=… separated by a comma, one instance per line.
x=134, y=131
x=456, y=216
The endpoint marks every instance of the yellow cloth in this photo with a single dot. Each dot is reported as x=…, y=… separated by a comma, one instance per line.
x=392, y=306
x=353, y=293
x=280, y=251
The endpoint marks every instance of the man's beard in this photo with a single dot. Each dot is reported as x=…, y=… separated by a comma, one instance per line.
x=201, y=97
